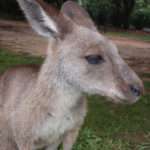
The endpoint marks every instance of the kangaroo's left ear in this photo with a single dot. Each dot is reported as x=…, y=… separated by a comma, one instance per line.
x=78, y=14
x=44, y=19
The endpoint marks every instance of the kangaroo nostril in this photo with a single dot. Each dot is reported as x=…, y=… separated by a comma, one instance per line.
x=135, y=90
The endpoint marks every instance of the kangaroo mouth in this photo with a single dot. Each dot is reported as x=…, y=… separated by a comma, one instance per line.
x=125, y=101
x=124, y=97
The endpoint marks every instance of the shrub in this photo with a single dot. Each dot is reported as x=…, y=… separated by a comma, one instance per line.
x=99, y=10
x=141, y=18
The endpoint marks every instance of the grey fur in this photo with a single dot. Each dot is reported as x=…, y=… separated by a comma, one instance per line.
x=43, y=107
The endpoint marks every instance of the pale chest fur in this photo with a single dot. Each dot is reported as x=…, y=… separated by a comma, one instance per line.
x=55, y=127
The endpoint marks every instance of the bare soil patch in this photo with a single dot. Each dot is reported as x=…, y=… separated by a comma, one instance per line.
x=19, y=37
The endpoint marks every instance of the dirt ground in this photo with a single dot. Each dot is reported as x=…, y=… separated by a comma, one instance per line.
x=19, y=37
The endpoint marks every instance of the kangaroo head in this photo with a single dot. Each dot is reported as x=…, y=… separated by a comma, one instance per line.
x=87, y=60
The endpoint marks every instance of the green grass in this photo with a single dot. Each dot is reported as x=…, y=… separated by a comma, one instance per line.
x=107, y=126
x=123, y=126
x=145, y=75
x=9, y=59
x=147, y=85
x=131, y=35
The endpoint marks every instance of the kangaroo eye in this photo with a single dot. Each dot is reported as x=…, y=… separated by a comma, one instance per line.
x=94, y=59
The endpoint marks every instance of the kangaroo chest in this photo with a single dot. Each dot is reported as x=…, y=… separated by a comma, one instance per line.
x=54, y=127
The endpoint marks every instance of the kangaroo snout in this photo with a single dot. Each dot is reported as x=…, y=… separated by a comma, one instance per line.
x=136, y=90
x=132, y=86
x=132, y=93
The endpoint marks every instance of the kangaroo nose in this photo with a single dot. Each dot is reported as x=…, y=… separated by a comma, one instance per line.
x=136, y=91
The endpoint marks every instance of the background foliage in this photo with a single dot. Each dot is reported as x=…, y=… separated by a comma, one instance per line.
x=141, y=14
x=119, y=13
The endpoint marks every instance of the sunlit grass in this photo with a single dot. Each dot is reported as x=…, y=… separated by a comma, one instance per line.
x=131, y=35
x=9, y=59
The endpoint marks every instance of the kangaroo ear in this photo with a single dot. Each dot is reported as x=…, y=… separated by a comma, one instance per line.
x=40, y=21
x=77, y=14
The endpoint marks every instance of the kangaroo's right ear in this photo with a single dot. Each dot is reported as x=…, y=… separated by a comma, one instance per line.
x=78, y=14
x=40, y=21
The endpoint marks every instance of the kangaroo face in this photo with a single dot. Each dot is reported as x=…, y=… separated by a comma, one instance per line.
x=87, y=60
x=92, y=64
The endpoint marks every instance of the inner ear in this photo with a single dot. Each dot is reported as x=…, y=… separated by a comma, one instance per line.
x=64, y=25
x=77, y=14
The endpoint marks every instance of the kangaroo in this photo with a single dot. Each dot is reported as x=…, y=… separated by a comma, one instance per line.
x=43, y=107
